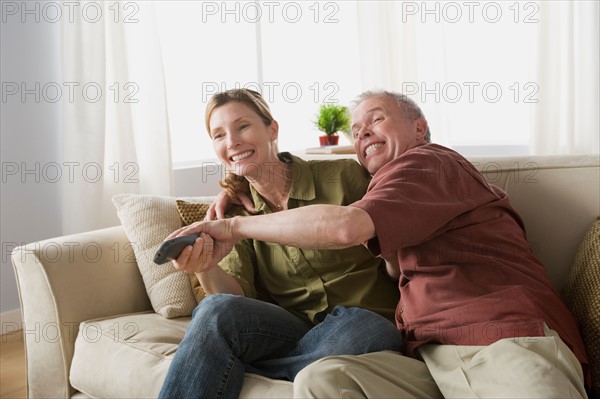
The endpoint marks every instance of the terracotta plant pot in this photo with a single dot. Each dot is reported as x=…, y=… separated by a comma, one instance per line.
x=331, y=139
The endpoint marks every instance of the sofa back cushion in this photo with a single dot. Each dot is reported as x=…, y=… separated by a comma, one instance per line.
x=558, y=198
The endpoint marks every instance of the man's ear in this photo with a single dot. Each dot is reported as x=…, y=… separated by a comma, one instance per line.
x=421, y=126
x=274, y=129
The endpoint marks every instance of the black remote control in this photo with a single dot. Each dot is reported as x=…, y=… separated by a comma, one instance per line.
x=171, y=249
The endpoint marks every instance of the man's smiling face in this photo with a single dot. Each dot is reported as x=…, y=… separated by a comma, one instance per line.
x=382, y=132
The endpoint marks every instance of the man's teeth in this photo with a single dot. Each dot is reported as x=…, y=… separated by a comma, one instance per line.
x=243, y=155
x=372, y=148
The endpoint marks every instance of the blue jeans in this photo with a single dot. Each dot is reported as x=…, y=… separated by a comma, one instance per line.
x=230, y=335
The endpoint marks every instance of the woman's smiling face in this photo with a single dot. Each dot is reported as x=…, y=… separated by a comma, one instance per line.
x=241, y=139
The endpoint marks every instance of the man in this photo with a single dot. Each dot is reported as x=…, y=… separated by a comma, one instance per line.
x=476, y=306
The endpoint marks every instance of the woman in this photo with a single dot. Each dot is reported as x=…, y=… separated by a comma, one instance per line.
x=327, y=302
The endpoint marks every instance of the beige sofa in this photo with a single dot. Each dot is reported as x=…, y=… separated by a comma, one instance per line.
x=91, y=330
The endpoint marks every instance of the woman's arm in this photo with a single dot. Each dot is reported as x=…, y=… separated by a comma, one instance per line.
x=217, y=281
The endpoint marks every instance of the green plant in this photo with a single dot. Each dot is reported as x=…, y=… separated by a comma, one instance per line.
x=333, y=118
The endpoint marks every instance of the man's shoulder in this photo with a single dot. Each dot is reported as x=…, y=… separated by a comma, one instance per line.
x=428, y=155
x=430, y=149
x=429, y=163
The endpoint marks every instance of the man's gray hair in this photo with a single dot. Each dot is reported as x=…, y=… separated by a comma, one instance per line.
x=409, y=108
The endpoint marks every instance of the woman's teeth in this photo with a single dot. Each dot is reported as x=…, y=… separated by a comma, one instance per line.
x=243, y=155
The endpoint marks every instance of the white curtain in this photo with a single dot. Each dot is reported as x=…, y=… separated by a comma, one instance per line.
x=566, y=118
x=398, y=53
x=115, y=127
x=543, y=55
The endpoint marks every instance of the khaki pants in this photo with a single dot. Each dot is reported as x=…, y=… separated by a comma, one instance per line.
x=533, y=367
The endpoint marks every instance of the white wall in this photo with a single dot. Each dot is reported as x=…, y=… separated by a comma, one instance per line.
x=197, y=179
x=30, y=142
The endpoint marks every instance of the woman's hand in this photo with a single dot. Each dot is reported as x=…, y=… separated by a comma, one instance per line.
x=203, y=255
x=217, y=209
x=201, y=259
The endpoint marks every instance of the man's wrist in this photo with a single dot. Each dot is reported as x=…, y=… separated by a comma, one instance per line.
x=234, y=227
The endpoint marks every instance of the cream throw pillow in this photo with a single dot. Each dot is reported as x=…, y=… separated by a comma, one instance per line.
x=147, y=221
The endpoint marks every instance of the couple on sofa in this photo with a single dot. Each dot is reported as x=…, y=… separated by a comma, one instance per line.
x=477, y=315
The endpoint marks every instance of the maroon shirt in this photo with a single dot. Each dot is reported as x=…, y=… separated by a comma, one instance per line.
x=468, y=276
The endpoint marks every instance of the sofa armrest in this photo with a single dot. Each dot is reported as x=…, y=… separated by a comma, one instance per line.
x=62, y=282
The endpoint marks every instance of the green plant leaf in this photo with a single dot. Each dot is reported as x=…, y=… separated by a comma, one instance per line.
x=332, y=118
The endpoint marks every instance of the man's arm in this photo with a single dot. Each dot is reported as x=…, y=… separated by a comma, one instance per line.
x=313, y=226
x=202, y=259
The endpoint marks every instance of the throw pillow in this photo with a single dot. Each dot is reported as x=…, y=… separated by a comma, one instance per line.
x=190, y=213
x=147, y=221
x=582, y=295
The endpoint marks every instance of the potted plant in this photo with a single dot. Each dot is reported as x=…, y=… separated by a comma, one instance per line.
x=332, y=119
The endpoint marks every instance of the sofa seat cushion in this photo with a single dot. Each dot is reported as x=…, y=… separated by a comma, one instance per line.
x=129, y=356
x=125, y=356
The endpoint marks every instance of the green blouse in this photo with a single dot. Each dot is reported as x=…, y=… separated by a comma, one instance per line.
x=307, y=282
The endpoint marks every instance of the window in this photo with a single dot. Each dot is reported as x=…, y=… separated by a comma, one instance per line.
x=473, y=63
x=297, y=54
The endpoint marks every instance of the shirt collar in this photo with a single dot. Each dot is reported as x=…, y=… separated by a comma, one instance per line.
x=303, y=185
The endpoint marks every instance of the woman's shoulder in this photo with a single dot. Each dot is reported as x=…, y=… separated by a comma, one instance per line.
x=343, y=173
x=341, y=163
x=338, y=167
